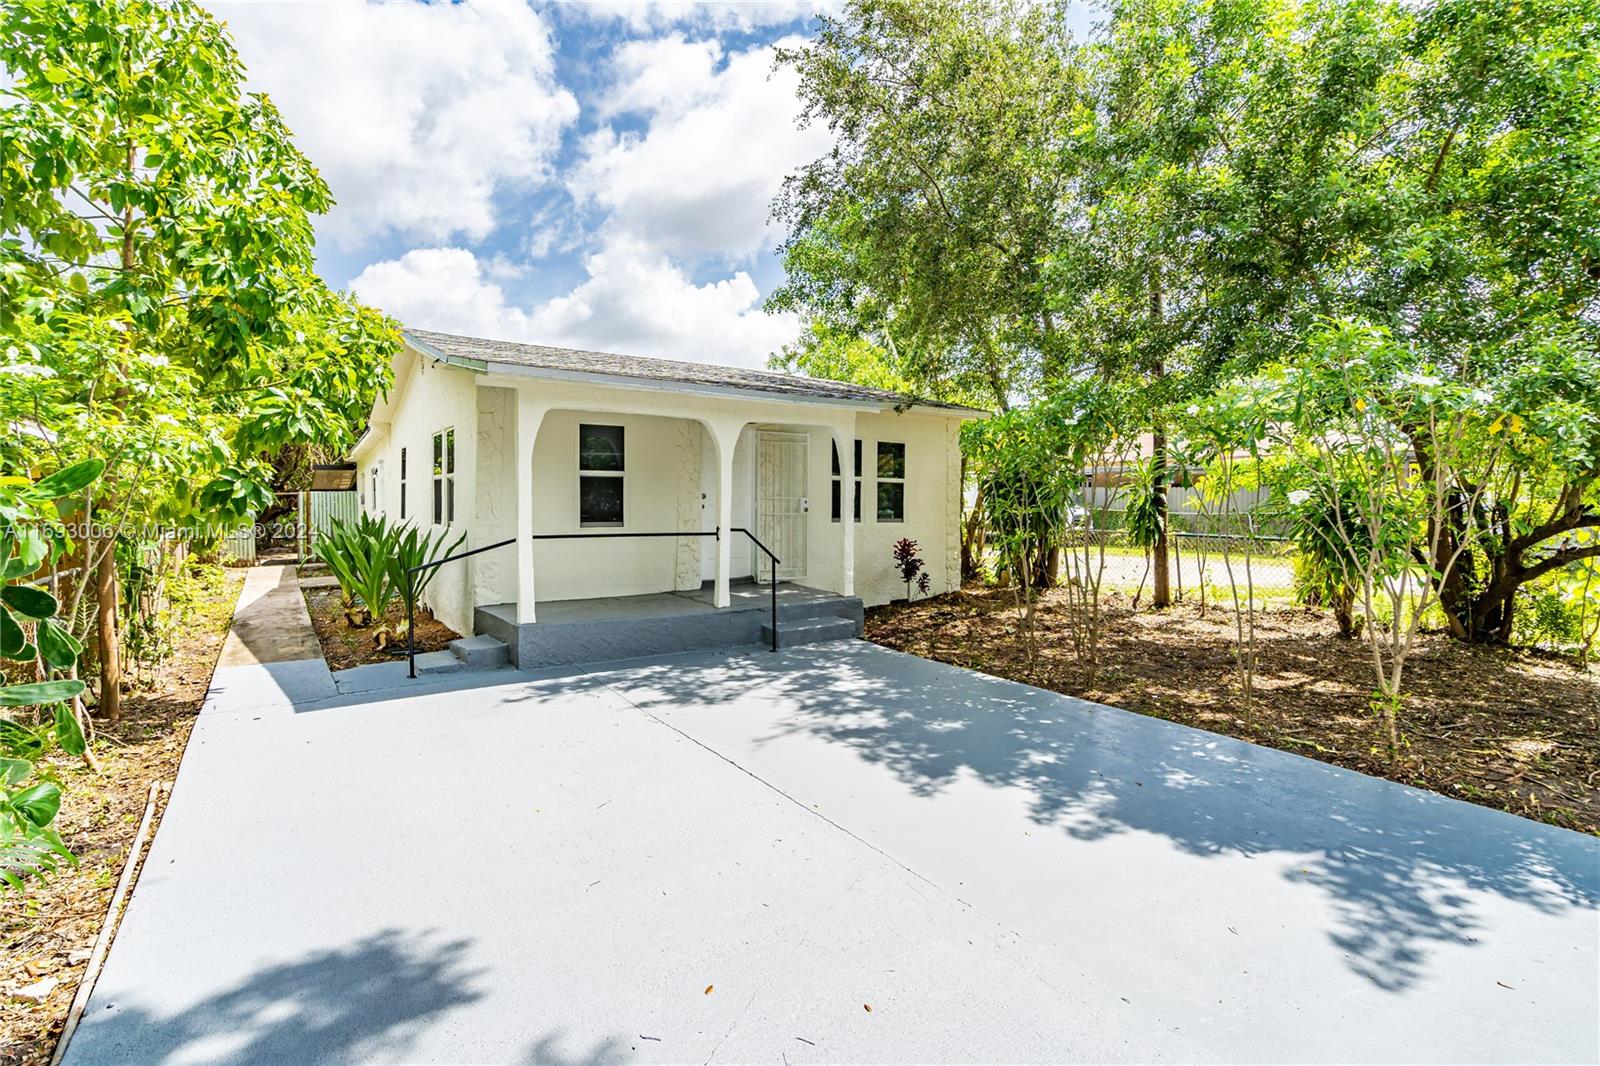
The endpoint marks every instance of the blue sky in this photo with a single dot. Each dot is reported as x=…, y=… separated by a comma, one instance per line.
x=592, y=175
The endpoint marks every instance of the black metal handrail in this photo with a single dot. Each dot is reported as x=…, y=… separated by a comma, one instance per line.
x=411, y=572
x=774, y=582
x=411, y=596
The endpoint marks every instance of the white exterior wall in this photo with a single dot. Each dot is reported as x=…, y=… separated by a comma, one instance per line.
x=659, y=456
x=494, y=514
x=427, y=399
x=671, y=483
x=933, y=503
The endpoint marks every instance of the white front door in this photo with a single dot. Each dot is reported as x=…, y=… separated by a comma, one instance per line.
x=781, y=504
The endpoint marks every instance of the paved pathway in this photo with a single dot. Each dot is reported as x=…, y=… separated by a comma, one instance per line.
x=732, y=857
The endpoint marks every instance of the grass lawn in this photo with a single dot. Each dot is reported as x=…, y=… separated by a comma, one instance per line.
x=1515, y=730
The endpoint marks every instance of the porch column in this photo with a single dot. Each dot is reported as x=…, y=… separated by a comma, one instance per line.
x=726, y=438
x=529, y=414
x=844, y=440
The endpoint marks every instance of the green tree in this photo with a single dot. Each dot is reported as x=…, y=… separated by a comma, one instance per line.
x=161, y=305
x=925, y=230
x=1432, y=171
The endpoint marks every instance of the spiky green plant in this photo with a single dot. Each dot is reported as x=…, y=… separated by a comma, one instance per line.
x=360, y=553
x=415, y=548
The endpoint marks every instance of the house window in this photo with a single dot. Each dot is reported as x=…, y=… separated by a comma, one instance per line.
x=891, y=481
x=444, y=477
x=838, y=487
x=600, y=475
x=402, y=484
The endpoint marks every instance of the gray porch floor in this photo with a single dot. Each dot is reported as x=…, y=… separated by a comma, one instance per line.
x=607, y=628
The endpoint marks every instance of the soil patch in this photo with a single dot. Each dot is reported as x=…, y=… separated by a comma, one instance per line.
x=49, y=930
x=1508, y=729
x=344, y=646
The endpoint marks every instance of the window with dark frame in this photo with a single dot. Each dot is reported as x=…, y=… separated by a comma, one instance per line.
x=402, y=484
x=444, y=477
x=891, y=481
x=838, y=487
x=601, y=465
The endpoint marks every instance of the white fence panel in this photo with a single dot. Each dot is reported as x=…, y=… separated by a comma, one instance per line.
x=239, y=546
x=330, y=507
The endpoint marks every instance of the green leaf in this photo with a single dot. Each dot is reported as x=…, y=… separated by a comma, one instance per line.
x=29, y=601
x=31, y=550
x=12, y=638
x=58, y=647
x=69, y=479
x=38, y=804
x=14, y=771
x=39, y=852
x=17, y=741
x=39, y=692
x=69, y=734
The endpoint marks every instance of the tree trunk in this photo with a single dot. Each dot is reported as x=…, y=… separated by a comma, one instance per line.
x=110, y=648
x=1161, y=592
x=972, y=533
x=1344, y=611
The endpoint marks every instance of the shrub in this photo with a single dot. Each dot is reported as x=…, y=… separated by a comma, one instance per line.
x=361, y=555
x=908, y=563
x=414, y=548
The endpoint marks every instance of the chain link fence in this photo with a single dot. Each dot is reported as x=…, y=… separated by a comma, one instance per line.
x=1207, y=555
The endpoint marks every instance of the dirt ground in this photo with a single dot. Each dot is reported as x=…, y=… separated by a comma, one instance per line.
x=345, y=647
x=1498, y=727
x=49, y=930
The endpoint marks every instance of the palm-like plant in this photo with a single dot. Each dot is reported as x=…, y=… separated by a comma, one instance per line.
x=361, y=555
x=412, y=549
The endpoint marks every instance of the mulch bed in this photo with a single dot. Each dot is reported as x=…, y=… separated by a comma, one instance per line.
x=1514, y=730
x=49, y=930
x=344, y=646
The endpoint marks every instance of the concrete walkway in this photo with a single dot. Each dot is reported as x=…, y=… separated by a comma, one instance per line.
x=271, y=654
x=833, y=854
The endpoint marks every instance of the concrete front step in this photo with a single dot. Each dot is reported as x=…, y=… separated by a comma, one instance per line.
x=809, y=631
x=480, y=651
x=438, y=662
x=465, y=653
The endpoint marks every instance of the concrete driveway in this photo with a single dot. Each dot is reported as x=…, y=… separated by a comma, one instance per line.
x=837, y=853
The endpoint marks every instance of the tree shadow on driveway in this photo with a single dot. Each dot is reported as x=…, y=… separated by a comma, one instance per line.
x=368, y=1001
x=1402, y=867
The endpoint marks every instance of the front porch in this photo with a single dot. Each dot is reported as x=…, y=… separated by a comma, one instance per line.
x=608, y=503
x=608, y=628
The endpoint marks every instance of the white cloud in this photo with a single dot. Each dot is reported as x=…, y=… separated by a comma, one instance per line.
x=643, y=16
x=417, y=114
x=721, y=138
x=635, y=300
x=663, y=74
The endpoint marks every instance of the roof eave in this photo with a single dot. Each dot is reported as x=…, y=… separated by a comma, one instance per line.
x=625, y=381
x=628, y=381
x=423, y=347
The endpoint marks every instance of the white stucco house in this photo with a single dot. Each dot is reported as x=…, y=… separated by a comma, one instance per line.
x=562, y=452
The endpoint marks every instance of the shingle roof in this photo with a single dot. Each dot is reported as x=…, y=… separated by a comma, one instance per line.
x=770, y=383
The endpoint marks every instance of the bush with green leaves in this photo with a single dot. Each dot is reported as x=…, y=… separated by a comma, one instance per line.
x=34, y=639
x=1331, y=549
